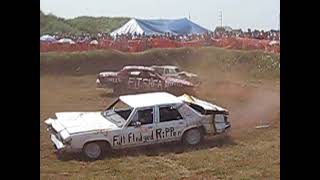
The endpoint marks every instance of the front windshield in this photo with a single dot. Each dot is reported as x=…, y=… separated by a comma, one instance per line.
x=118, y=112
x=174, y=70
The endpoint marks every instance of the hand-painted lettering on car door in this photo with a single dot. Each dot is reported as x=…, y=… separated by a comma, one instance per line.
x=138, y=82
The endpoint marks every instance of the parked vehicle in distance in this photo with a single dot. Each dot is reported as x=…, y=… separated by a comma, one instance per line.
x=138, y=79
x=174, y=71
x=137, y=120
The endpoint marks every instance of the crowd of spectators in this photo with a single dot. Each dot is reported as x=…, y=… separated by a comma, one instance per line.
x=217, y=34
x=255, y=34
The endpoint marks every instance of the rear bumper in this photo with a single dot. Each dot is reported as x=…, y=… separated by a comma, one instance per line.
x=228, y=126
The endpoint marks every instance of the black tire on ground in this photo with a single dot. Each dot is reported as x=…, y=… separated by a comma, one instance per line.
x=177, y=91
x=94, y=150
x=184, y=90
x=191, y=91
x=60, y=155
x=118, y=90
x=192, y=137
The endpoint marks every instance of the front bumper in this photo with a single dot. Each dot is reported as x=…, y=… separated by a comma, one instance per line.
x=59, y=146
x=102, y=86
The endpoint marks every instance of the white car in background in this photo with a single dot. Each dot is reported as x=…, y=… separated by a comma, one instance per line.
x=137, y=120
x=174, y=71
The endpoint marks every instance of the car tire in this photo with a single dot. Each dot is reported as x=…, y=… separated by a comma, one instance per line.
x=176, y=91
x=60, y=155
x=192, y=137
x=191, y=91
x=118, y=90
x=93, y=150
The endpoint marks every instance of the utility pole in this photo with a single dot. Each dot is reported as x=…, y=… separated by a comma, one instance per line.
x=220, y=18
x=189, y=16
x=279, y=22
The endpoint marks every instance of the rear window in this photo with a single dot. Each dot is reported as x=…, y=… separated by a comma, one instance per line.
x=169, y=113
x=173, y=71
x=159, y=70
x=135, y=73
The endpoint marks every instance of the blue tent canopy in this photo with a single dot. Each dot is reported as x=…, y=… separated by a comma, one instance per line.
x=149, y=27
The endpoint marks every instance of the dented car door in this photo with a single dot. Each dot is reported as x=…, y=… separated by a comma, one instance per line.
x=140, y=130
x=170, y=124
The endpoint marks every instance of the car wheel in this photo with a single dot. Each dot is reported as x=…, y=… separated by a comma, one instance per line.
x=118, y=90
x=192, y=137
x=60, y=155
x=177, y=91
x=92, y=150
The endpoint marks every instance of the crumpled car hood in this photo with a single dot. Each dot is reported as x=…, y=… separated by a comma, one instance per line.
x=204, y=104
x=178, y=81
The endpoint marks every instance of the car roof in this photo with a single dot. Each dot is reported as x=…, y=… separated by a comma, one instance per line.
x=138, y=68
x=166, y=66
x=150, y=99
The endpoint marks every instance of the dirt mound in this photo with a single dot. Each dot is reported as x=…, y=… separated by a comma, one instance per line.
x=198, y=60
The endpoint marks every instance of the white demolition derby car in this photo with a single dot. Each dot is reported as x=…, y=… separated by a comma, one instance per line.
x=136, y=120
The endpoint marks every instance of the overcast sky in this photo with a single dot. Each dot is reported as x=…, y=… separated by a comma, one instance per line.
x=244, y=14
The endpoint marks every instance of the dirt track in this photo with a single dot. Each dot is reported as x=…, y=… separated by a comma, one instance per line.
x=250, y=101
x=249, y=104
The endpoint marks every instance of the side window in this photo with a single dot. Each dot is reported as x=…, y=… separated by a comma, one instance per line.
x=144, y=74
x=134, y=73
x=143, y=116
x=169, y=113
x=161, y=71
x=166, y=71
x=171, y=71
x=158, y=70
x=152, y=75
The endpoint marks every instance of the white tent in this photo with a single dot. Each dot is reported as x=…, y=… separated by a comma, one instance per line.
x=47, y=38
x=271, y=43
x=130, y=27
x=94, y=42
x=66, y=41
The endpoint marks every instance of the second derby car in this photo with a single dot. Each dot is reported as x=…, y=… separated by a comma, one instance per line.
x=134, y=79
x=137, y=120
x=174, y=71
